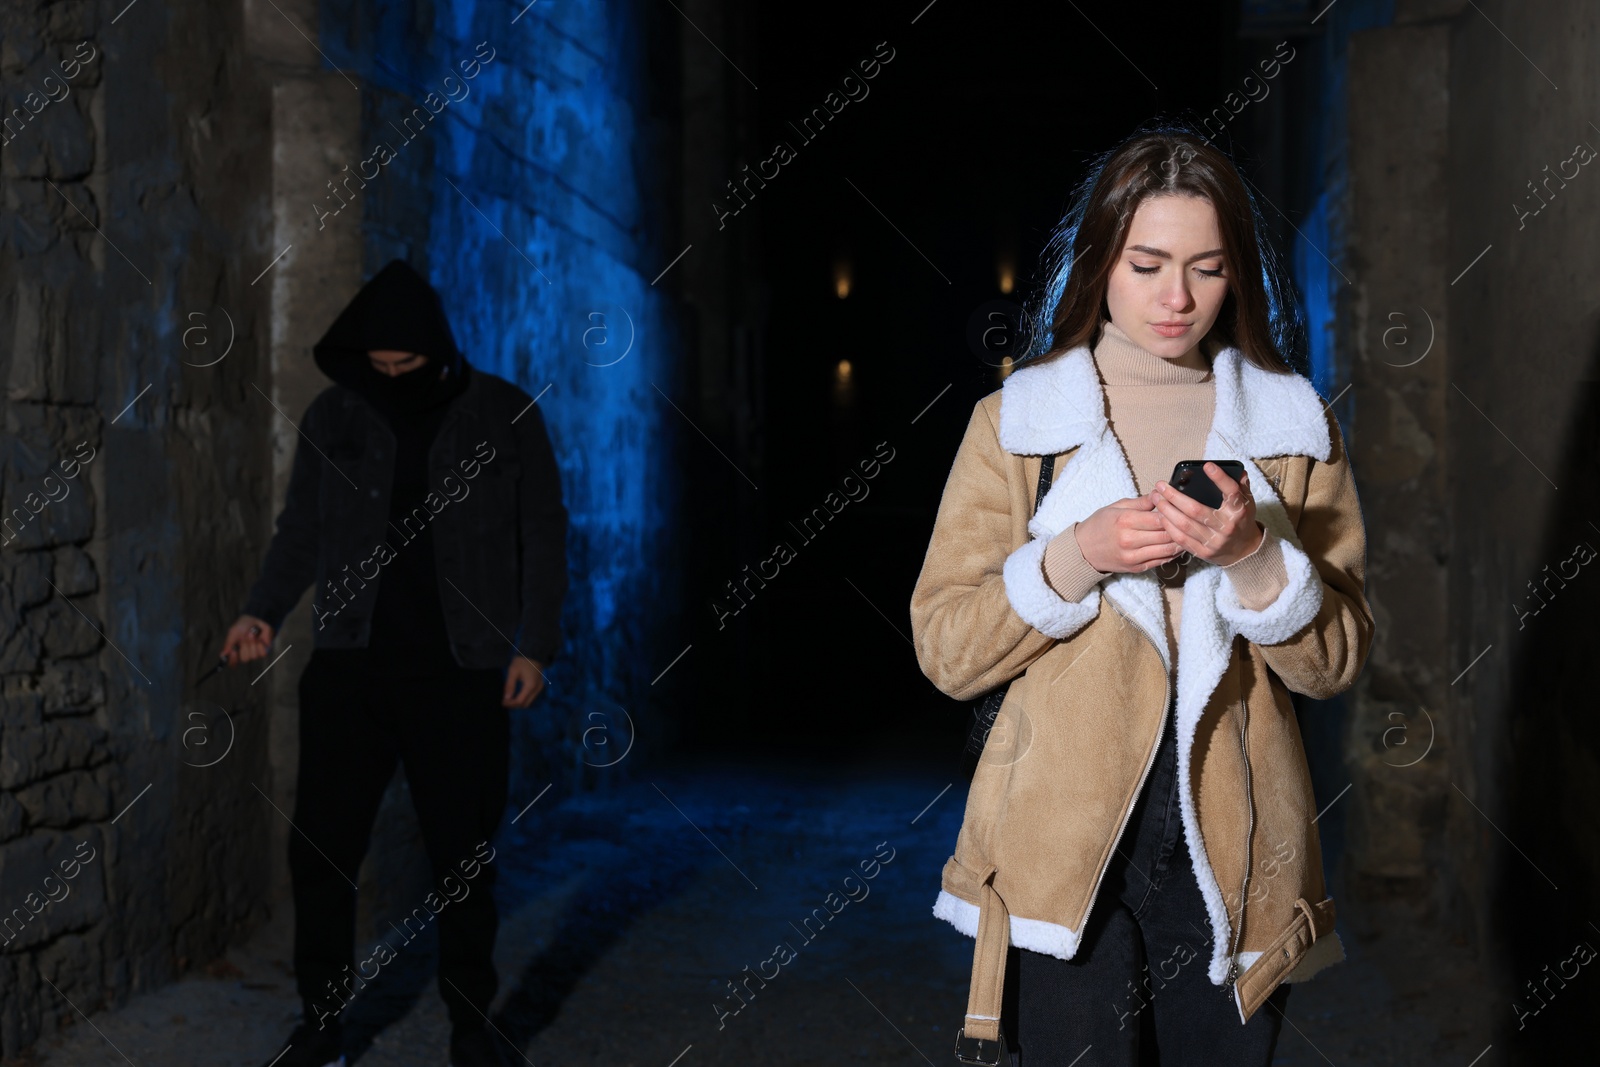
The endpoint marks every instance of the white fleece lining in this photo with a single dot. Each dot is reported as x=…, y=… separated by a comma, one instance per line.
x=1056, y=406
x=1286, y=616
x=1036, y=603
x=1033, y=934
x=1204, y=646
x=1060, y=405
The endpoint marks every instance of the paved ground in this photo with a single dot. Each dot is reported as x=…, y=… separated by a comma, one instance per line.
x=622, y=924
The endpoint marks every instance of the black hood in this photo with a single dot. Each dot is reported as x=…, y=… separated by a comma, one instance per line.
x=396, y=309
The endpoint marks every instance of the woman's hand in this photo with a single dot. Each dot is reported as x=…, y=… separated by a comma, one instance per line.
x=1126, y=536
x=1222, y=535
x=248, y=638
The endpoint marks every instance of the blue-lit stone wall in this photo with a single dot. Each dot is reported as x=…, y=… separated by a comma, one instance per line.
x=532, y=178
x=1320, y=237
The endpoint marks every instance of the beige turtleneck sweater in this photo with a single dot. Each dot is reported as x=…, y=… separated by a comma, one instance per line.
x=1160, y=411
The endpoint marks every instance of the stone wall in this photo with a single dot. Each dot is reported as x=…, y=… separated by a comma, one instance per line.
x=1398, y=338
x=1476, y=331
x=132, y=480
x=1520, y=424
x=162, y=276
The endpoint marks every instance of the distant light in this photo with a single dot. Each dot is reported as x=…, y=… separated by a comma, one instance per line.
x=1005, y=368
x=844, y=384
x=841, y=278
x=1007, y=275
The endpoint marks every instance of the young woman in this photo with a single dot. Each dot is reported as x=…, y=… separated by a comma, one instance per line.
x=1139, y=853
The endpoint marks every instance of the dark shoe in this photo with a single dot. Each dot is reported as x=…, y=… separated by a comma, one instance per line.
x=310, y=1047
x=475, y=1047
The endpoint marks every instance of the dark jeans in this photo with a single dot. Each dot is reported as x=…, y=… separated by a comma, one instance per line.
x=453, y=738
x=1138, y=983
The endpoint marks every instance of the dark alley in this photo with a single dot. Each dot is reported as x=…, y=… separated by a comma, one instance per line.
x=641, y=533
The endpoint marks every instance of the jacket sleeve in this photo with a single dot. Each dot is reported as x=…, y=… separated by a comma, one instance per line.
x=291, y=563
x=542, y=531
x=978, y=605
x=1318, y=652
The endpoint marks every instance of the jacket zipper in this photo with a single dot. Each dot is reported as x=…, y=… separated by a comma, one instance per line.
x=1160, y=733
x=1244, y=892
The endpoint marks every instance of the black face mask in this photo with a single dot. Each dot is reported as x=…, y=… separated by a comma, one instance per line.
x=404, y=394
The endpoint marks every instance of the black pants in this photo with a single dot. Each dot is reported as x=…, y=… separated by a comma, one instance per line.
x=1138, y=983
x=453, y=737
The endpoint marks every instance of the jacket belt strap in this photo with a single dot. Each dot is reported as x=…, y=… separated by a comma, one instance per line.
x=1319, y=917
x=1311, y=921
x=988, y=962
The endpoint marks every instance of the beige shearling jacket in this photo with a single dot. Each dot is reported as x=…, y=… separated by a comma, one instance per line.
x=1091, y=681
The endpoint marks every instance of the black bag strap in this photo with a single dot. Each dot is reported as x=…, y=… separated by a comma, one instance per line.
x=1047, y=473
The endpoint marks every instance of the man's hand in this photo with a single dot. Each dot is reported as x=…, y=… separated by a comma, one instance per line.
x=249, y=638
x=1218, y=535
x=1126, y=536
x=524, y=682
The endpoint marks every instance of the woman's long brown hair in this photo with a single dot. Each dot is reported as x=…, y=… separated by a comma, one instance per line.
x=1259, y=315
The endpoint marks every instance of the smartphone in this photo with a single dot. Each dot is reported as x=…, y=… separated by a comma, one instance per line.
x=1190, y=478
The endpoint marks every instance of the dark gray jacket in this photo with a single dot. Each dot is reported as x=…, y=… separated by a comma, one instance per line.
x=494, y=506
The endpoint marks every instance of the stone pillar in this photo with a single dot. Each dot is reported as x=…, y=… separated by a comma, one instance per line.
x=316, y=119
x=1396, y=329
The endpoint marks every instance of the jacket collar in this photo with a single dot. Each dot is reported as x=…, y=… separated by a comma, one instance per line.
x=1058, y=405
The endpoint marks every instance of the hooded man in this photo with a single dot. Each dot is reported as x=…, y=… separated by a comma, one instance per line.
x=424, y=507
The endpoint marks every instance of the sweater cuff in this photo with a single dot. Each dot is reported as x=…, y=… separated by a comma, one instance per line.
x=1259, y=577
x=1065, y=569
